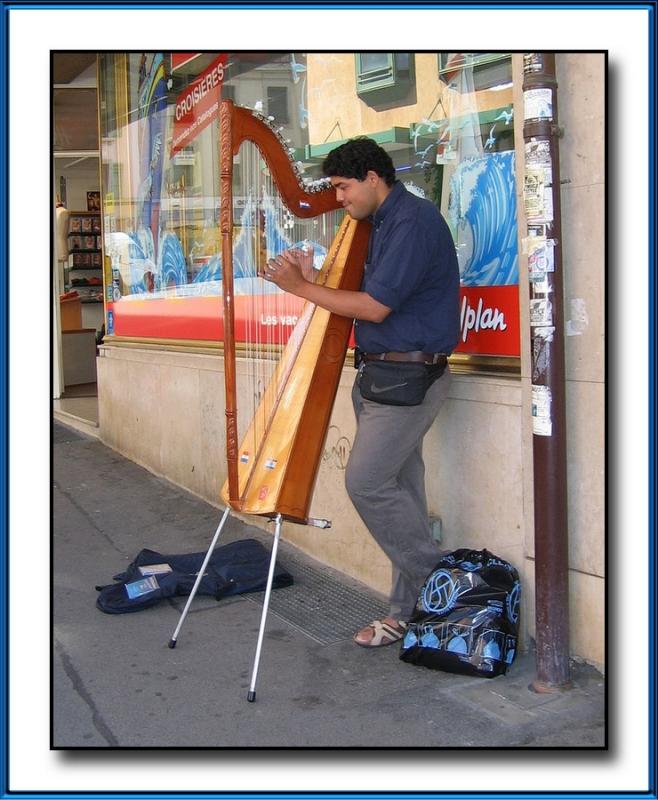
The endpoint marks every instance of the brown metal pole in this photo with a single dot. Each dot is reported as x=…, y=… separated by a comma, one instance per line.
x=544, y=248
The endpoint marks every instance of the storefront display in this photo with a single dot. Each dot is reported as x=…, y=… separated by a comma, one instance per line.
x=85, y=265
x=447, y=125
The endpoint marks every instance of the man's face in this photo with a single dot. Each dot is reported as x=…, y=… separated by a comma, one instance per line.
x=359, y=198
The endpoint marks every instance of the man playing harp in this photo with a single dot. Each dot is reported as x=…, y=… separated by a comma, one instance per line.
x=406, y=325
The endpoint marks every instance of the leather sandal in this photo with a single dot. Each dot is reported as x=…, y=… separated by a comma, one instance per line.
x=383, y=633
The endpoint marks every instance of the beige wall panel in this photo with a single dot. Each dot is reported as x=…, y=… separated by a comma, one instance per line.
x=213, y=432
x=178, y=407
x=583, y=256
x=162, y=409
x=477, y=388
x=587, y=618
x=127, y=409
x=586, y=476
x=586, y=615
x=474, y=476
x=581, y=111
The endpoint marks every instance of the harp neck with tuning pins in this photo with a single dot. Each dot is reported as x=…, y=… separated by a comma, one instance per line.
x=280, y=395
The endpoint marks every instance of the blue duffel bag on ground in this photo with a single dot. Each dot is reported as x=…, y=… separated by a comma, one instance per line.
x=235, y=568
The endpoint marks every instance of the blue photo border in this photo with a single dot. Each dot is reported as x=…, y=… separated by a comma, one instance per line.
x=5, y=311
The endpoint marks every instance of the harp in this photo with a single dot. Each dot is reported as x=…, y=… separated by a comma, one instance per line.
x=277, y=416
x=274, y=447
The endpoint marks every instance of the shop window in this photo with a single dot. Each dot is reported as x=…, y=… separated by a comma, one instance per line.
x=475, y=71
x=383, y=77
x=161, y=176
x=277, y=103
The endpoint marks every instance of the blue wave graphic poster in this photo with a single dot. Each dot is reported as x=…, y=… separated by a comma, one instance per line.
x=482, y=215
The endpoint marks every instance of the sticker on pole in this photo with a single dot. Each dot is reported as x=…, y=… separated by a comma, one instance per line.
x=541, y=411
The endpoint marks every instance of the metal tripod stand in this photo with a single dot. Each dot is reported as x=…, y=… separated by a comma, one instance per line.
x=251, y=695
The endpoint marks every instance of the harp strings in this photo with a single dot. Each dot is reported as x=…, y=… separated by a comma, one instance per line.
x=263, y=227
x=259, y=336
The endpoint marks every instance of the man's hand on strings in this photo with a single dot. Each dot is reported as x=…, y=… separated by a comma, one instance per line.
x=287, y=272
x=290, y=270
x=305, y=260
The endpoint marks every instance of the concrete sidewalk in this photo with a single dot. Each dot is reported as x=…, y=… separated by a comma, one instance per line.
x=118, y=684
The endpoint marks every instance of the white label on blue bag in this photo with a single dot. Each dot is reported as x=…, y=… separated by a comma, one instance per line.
x=155, y=569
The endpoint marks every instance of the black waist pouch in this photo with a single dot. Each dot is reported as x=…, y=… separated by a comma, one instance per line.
x=397, y=383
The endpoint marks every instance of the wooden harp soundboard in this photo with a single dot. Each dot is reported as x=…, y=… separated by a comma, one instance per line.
x=277, y=475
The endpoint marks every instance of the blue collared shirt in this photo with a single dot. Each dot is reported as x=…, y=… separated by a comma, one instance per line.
x=412, y=268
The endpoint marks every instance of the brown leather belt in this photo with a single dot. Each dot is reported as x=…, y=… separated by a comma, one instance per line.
x=414, y=355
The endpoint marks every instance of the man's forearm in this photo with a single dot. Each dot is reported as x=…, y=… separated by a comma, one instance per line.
x=346, y=303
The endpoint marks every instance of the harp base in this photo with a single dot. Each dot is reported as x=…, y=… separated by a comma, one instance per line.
x=272, y=514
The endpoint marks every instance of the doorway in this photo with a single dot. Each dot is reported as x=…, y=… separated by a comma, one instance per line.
x=77, y=265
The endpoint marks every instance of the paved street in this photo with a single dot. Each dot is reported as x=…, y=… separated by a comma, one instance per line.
x=118, y=684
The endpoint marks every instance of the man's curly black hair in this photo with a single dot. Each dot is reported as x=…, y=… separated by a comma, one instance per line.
x=354, y=158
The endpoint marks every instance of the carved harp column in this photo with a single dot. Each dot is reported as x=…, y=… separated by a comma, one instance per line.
x=226, y=229
x=274, y=468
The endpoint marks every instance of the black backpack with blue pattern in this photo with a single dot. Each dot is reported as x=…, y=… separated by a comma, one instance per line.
x=466, y=618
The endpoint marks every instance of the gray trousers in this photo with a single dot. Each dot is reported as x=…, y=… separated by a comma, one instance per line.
x=385, y=479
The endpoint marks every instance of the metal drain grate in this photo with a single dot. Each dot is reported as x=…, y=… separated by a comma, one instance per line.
x=319, y=605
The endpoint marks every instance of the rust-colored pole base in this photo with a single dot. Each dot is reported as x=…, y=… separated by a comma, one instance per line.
x=542, y=687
